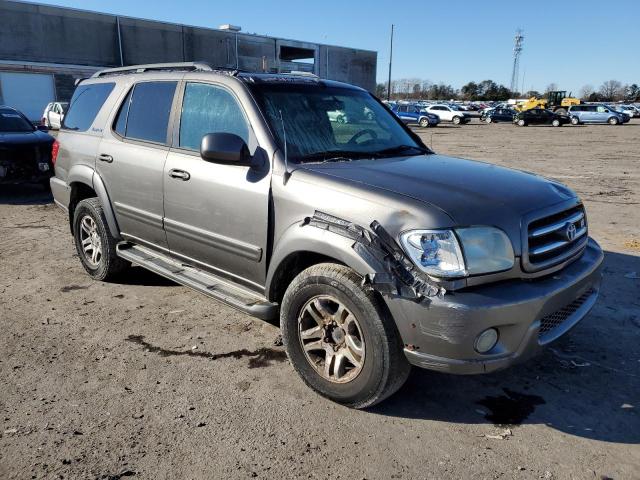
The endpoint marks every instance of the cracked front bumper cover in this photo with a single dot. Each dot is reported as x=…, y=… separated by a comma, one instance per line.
x=440, y=334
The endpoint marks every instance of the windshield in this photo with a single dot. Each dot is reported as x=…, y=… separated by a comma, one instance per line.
x=332, y=123
x=11, y=121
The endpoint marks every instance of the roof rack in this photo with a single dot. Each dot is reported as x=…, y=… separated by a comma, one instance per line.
x=301, y=73
x=156, y=67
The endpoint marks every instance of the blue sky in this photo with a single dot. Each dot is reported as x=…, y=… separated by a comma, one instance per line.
x=570, y=43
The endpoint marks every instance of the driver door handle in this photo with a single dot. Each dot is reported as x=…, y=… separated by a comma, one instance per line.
x=181, y=174
x=103, y=157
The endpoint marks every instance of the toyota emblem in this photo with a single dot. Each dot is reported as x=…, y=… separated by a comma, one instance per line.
x=570, y=232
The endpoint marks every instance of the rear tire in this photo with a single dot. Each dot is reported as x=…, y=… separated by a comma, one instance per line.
x=561, y=111
x=95, y=245
x=313, y=335
x=456, y=120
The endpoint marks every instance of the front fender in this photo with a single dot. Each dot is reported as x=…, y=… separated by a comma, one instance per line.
x=300, y=237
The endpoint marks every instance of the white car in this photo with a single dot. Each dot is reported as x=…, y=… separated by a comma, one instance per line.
x=449, y=114
x=630, y=110
x=54, y=113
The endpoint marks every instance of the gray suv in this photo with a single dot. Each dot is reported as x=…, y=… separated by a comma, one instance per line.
x=374, y=252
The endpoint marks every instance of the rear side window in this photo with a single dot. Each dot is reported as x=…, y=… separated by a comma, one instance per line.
x=85, y=104
x=144, y=114
x=209, y=109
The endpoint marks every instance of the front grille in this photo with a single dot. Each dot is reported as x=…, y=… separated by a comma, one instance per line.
x=551, y=322
x=555, y=238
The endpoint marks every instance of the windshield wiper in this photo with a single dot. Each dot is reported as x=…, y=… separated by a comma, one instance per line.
x=337, y=156
x=402, y=149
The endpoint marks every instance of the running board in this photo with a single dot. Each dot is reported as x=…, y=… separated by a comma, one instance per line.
x=203, y=282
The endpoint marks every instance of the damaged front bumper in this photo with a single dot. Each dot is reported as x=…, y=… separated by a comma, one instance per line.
x=439, y=333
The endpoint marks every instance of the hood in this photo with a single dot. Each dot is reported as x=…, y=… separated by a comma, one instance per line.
x=9, y=139
x=470, y=192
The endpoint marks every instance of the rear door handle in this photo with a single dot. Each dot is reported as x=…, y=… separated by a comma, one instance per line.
x=103, y=157
x=181, y=174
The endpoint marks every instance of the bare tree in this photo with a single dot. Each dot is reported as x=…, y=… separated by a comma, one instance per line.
x=586, y=91
x=611, y=90
x=552, y=87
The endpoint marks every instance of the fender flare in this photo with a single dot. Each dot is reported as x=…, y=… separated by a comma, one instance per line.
x=298, y=238
x=103, y=195
x=88, y=176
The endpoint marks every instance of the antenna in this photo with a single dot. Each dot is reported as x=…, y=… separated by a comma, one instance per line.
x=287, y=173
x=517, y=50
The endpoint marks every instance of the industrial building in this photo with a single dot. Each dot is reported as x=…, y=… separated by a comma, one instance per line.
x=44, y=49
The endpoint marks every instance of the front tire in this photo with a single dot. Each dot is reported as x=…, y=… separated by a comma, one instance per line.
x=340, y=338
x=457, y=120
x=522, y=123
x=424, y=122
x=613, y=121
x=95, y=245
x=556, y=123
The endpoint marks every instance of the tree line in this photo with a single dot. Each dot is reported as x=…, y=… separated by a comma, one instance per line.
x=488, y=90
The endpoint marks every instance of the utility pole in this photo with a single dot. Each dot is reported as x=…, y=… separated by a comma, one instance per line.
x=390, y=60
x=517, y=50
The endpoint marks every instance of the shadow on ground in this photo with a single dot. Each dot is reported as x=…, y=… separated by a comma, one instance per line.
x=586, y=384
x=25, y=194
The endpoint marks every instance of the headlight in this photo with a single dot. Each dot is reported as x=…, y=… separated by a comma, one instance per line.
x=486, y=249
x=438, y=253
x=435, y=252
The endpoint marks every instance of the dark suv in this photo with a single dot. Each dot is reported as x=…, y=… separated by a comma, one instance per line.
x=375, y=252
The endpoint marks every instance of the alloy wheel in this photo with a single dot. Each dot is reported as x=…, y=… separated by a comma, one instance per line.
x=331, y=339
x=90, y=241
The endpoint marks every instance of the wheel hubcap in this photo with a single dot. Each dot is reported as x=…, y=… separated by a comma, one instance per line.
x=90, y=241
x=331, y=339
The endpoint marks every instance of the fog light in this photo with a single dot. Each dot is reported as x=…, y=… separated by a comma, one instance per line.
x=44, y=167
x=486, y=340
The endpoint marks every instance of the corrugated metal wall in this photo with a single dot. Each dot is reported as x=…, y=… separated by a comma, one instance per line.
x=38, y=33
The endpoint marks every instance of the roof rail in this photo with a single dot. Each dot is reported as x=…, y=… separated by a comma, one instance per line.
x=184, y=66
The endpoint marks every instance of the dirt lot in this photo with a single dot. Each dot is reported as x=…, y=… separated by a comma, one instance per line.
x=147, y=379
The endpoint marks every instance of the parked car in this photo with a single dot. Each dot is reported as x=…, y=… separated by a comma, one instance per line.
x=375, y=252
x=413, y=114
x=499, y=115
x=449, y=114
x=53, y=114
x=594, y=114
x=339, y=116
x=540, y=116
x=628, y=110
x=25, y=151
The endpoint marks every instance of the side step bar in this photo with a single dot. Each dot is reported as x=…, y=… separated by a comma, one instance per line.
x=203, y=282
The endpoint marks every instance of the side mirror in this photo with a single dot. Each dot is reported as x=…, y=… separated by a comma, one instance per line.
x=224, y=148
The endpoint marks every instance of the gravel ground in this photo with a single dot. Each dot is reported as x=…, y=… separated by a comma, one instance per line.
x=145, y=378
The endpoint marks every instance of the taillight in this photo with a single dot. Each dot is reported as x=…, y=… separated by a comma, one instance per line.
x=54, y=152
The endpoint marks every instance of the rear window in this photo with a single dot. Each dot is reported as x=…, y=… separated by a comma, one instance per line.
x=144, y=114
x=11, y=121
x=85, y=104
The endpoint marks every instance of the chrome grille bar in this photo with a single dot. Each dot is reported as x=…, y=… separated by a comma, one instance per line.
x=558, y=244
x=576, y=217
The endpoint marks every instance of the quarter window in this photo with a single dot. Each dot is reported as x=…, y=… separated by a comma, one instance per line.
x=209, y=109
x=85, y=104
